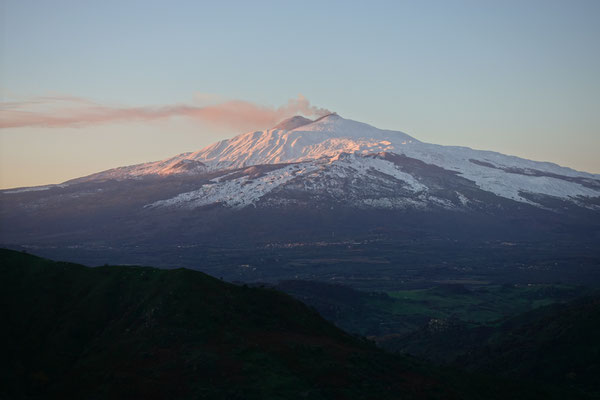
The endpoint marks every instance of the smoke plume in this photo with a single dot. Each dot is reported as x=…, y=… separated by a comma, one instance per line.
x=67, y=111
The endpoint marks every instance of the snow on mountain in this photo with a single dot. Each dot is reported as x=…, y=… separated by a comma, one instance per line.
x=181, y=164
x=314, y=147
x=322, y=175
x=292, y=123
x=238, y=192
x=325, y=137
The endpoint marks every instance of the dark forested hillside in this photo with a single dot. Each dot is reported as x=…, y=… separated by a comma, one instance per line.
x=558, y=343
x=136, y=332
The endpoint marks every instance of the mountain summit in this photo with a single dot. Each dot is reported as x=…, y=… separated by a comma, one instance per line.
x=292, y=123
x=304, y=179
x=394, y=169
x=329, y=180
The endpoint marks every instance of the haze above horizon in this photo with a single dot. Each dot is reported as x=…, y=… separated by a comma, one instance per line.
x=90, y=86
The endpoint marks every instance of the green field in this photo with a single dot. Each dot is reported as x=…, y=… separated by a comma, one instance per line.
x=482, y=305
x=401, y=312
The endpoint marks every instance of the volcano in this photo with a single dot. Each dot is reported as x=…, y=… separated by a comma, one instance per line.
x=302, y=181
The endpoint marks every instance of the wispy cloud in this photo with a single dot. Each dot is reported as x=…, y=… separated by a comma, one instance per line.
x=68, y=111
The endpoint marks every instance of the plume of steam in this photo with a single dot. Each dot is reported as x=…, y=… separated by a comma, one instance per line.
x=67, y=111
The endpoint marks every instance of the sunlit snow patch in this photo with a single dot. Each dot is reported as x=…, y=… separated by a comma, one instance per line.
x=239, y=192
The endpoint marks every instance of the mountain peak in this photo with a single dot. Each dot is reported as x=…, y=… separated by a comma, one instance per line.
x=292, y=123
x=298, y=121
x=330, y=116
x=300, y=140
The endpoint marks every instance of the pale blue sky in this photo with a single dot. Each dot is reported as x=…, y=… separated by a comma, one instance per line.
x=519, y=77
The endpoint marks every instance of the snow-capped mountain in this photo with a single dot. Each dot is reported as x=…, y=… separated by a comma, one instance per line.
x=305, y=182
x=357, y=164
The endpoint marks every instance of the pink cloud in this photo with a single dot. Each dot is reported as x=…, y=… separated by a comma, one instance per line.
x=66, y=111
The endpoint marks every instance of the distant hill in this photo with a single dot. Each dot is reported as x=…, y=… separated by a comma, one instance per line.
x=558, y=343
x=135, y=332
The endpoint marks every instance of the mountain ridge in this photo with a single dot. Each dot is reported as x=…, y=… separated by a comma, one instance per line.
x=332, y=177
x=313, y=144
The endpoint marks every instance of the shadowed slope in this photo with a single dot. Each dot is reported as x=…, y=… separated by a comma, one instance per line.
x=135, y=332
x=147, y=333
x=558, y=343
